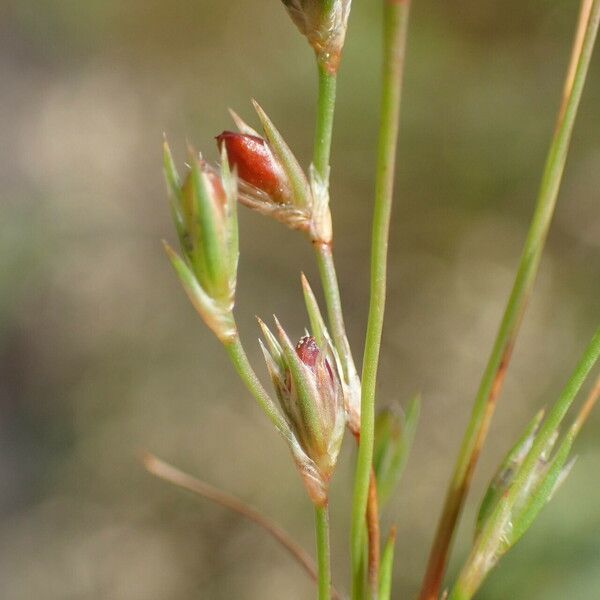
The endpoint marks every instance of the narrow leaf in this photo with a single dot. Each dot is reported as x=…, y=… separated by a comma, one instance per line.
x=387, y=567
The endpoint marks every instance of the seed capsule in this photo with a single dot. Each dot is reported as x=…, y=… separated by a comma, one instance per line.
x=256, y=164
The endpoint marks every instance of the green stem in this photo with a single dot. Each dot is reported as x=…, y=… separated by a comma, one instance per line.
x=242, y=365
x=331, y=292
x=395, y=30
x=495, y=370
x=324, y=124
x=323, y=251
x=323, y=553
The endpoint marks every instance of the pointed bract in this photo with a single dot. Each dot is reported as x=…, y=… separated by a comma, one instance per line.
x=218, y=319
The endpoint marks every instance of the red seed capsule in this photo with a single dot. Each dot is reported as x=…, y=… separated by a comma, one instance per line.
x=255, y=164
x=308, y=351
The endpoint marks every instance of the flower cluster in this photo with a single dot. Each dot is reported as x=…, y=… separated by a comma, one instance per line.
x=308, y=386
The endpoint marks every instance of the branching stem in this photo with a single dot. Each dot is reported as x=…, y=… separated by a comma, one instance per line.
x=497, y=365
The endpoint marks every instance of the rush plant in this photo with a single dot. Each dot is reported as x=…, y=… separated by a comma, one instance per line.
x=317, y=394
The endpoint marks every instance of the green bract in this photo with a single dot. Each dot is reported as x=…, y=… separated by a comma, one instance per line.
x=204, y=210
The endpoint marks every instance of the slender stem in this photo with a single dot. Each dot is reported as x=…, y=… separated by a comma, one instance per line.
x=586, y=408
x=169, y=473
x=323, y=252
x=324, y=124
x=323, y=553
x=327, y=82
x=496, y=368
x=374, y=536
x=242, y=365
x=331, y=292
x=395, y=30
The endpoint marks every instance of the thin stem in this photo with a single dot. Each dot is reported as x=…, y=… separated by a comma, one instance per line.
x=335, y=316
x=242, y=365
x=167, y=472
x=323, y=252
x=374, y=536
x=327, y=82
x=324, y=124
x=586, y=408
x=323, y=553
x=395, y=30
x=496, y=368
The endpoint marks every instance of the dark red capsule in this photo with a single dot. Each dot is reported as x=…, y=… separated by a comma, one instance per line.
x=255, y=164
x=308, y=351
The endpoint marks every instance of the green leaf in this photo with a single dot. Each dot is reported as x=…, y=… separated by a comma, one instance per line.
x=506, y=471
x=394, y=435
x=387, y=567
x=555, y=473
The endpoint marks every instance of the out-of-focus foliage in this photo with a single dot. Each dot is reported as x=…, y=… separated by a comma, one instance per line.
x=101, y=356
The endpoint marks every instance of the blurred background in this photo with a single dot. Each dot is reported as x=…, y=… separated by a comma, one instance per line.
x=102, y=357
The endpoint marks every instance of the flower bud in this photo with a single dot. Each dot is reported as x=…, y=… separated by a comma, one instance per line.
x=272, y=182
x=204, y=213
x=324, y=24
x=310, y=393
x=256, y=166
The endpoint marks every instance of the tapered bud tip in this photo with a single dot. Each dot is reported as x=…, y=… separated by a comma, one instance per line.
x=308, y=351
x=255, y=164
x=217, y=187
x=211, y=177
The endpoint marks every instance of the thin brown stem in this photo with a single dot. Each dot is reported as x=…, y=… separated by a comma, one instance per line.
x=374, y=536
x=167, y=472
x=584, y=17
x=586, y=409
